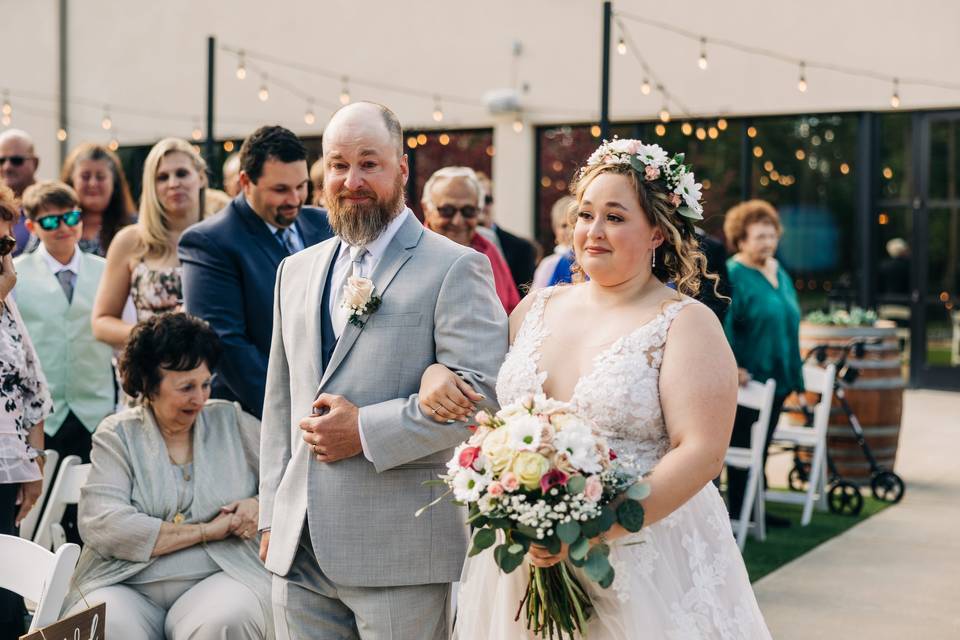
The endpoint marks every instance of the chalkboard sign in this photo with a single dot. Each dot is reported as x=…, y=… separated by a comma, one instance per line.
x=86, y=625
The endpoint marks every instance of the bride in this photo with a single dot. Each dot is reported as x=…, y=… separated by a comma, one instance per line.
x=652, y=370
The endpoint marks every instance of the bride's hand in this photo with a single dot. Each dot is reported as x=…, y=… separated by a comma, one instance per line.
x=445, y=396
x=540, y=557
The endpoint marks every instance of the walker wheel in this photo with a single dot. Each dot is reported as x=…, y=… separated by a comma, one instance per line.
x=845, y=499
x=797, y=478
x=887, y=486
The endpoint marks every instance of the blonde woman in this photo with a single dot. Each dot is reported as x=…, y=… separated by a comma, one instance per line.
x=142, y=261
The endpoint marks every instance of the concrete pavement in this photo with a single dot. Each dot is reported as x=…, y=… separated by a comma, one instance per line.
x=897, y=575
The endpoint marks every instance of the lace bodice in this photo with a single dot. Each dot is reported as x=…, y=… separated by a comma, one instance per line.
x=620, y=395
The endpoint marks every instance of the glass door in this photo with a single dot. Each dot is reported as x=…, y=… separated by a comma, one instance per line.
x=935, y=298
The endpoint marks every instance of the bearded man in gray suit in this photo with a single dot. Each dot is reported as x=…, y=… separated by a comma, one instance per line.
x=345, y=448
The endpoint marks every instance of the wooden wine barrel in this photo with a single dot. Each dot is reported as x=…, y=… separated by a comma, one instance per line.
x=876, y=397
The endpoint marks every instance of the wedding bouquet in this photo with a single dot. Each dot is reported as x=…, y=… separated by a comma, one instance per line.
x=536, y=473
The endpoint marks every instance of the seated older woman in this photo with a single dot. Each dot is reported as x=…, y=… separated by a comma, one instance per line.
x=169, y=512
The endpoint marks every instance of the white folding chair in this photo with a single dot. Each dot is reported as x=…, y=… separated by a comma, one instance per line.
x=760, y=397
x=66, y=490
x=816, y=380
x=29, y=524
x=31, y=571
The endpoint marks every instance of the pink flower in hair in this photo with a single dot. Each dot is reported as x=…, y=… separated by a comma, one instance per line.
x=651, y=173
x=675, y=199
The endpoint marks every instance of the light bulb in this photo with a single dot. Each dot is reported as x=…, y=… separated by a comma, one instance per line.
x=196, y=134
x=309, y=117
x=437, y=114
x=701, y=133
x=113, y=145
x=895, y=97
x=264, y=93
x=622, y=47
x=802, y=82
x=518, y=125
x=664, y=114
x=241, y=67
x=345, y=92
x=645, y=87
x=106, y=123
x=702, y=62
x=62, y=134
x=686, y=128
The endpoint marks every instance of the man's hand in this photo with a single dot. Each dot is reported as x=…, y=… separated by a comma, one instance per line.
x=333, y=431
x=264, y=545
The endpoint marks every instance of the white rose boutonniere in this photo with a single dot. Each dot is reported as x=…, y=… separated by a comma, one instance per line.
x=359, y=299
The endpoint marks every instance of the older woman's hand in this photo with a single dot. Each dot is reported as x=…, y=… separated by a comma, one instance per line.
x=246, y=514
x=8, y=276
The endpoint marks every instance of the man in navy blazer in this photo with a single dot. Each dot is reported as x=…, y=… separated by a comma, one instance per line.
x=230, y=260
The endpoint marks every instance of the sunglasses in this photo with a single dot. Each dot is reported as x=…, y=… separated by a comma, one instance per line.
x=16, y=161
x=7, y=244
x=467, y=211
x=50, y=223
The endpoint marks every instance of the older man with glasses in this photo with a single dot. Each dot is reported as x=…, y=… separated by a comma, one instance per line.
x=18, y=165
x=452, y=201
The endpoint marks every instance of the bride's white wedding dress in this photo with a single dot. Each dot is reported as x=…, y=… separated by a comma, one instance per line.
x=686, y=579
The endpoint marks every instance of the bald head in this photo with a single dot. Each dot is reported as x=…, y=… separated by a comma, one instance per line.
x=367, y=118
x=18, y=162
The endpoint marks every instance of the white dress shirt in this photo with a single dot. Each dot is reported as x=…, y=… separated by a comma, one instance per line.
x=341, y=271
x=56, y=266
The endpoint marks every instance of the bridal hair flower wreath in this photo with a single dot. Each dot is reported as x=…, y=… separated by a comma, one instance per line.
x=653, y=163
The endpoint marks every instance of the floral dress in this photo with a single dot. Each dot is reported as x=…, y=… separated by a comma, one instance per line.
x=155, y=291
x=681, y=578
x=24, y=397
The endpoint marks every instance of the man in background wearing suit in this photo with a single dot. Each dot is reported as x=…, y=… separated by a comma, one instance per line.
x=521, y=254
x=230, y=260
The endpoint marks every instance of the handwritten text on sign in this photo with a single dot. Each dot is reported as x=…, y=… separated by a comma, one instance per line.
x=86, y=625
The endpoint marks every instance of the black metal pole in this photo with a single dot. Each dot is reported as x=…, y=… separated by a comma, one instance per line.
x=605, y=73
x=866, y=231
x=211, y=54
x=63, y=115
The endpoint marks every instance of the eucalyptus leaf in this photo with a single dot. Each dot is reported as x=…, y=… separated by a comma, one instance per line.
x=607, y=580
x=594, y=527
x=485, y=538
x=630, y=515
x=597, y=565
x=639, y=491
x=568, y=532
x=576, y=484
x=637, y=164
x=506, y=560
x=578, y=549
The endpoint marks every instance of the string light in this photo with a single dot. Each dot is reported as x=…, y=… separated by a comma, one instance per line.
x=686, y=128
x=197, y=133
x=664, y=114
x=228, y=146
x=895, y=98
x=444, y=139
x=106, y=123
x=518, y=125
x=751, y=132
x=702, y=62
x=661, y=130
x=309, y=116
x=412, y=142
x=62, y=134
x=645, y=87
x=701, y=133
x=595, y=131
x=241, y=66
x=114, y=144
x=345, y=92
x=713, y=133
x=802, y=82
x=7, y=107
x=264, y=93
x=622, y=47
x=722, y=124
x=437, y=110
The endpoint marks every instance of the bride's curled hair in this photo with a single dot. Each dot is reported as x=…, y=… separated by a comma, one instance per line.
x=678, y=258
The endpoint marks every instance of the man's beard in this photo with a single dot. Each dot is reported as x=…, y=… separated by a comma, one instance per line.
x=360, y=224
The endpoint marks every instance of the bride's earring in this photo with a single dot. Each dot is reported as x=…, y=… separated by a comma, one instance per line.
x=653, y=258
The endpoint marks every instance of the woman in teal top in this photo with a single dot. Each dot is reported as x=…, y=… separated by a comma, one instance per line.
x=762, y=323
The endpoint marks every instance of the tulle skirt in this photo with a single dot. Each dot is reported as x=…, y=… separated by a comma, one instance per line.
x=680, y=579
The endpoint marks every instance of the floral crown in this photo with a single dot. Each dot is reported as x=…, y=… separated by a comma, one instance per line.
x=652, y=162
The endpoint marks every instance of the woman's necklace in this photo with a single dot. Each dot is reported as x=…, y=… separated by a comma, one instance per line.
x=187, y=476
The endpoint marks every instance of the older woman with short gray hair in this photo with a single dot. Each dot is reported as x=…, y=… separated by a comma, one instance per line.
x=169, y=511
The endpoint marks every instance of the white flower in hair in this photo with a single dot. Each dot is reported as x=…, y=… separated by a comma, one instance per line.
x=652, y=155
x=689, y=189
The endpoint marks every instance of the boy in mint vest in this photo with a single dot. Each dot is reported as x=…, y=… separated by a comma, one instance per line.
x=57, y=286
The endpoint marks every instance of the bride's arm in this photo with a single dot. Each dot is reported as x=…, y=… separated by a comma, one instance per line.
x=698, y=395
